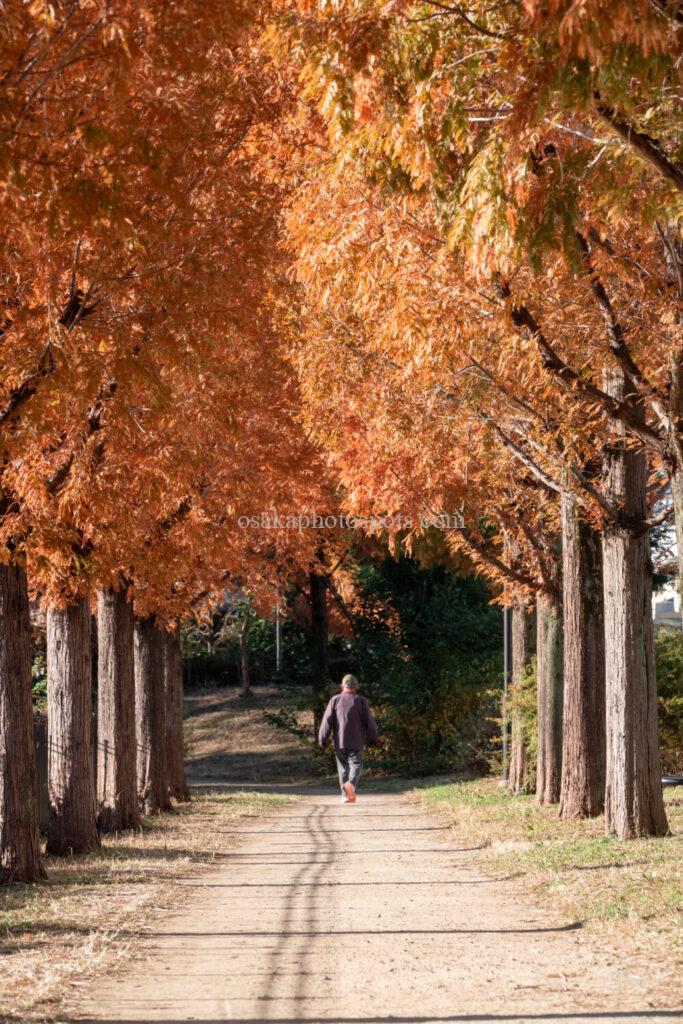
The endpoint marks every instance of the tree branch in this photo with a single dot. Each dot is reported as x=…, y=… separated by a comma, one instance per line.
x=462, y=15
x=522, y=456
x=611, y=510
x=650, y=149
x=496, y=563
x=25, y=391
x=93, y=424
x=621, y=410
x=661, y=518
x=615, y=334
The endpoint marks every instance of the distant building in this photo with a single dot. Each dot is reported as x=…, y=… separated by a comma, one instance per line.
x=666, y=603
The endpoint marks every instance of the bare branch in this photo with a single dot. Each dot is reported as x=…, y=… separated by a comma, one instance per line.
x=460, y=13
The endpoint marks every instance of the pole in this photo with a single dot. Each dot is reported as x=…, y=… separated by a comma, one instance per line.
x=278, y=639
x=506, y=683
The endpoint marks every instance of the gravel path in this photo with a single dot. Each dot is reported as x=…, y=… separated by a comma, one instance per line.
x=366, y=914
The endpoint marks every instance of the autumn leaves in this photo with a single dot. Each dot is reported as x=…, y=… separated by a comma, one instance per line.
x=488, y=243
x=369, y=259
x=143, y=397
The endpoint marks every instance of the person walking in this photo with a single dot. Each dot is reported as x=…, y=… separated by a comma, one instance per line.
x=349, y=719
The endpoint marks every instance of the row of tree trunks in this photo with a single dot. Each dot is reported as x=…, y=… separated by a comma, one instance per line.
x=117, y=794
x=19, y=847
x=72, y=821
x=521, y=656
x=549, y=651
x=600, y=747
x=139, y=674
x=583, y=733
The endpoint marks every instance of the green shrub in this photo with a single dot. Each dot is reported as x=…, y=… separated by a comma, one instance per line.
x=523, y=708
x=39, y=681
x=211, y=654
x=669, y=653
x=427, y=649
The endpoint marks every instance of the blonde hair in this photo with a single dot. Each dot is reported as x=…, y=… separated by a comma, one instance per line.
x=349, y=682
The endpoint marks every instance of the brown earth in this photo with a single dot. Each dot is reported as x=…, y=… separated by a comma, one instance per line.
x=229, y=737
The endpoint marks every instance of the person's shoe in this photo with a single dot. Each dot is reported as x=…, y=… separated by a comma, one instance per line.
x=345, y=799
x=350, y=792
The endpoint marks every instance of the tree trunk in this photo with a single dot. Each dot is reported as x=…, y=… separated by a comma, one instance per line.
x=550, y=699
x=583, y=745
x=677, y=496
x=320, y=676
x=150, y=717
x=19, y=847
x=173, y=687
x=116, y=757
x=72, y=821
x=634, y=805
x=521, y=654
x=245, y=687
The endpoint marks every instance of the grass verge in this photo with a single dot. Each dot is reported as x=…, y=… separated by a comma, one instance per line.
x=56, y=935
x=633, y=888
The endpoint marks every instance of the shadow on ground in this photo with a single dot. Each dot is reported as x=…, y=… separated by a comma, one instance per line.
x=609, y=1015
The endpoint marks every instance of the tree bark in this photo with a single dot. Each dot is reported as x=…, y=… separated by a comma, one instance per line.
x=320, y=676
x=583, y=743
x=72, y=821
x=245, y=686
x=521, y=655
x=117, y=796
x=173, y=688
x=550, y=699
x=649, y=149
x=634, y=805
x=677, y=496
x=19, y=846
x=150, y=717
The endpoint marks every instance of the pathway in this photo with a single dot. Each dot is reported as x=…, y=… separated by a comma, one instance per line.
x=366, y=914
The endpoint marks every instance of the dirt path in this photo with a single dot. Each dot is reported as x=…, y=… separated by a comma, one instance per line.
x=366, y=914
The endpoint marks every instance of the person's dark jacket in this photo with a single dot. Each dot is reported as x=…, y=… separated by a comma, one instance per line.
x=349, y=718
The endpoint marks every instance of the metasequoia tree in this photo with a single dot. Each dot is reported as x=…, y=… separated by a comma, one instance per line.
x=150, y=716
x=392, y=438
x=521, y=657
x=516, y=174
x=116, y=743
x=136, y=285
x=19, y=847
x=583, y=741
x=72, y=823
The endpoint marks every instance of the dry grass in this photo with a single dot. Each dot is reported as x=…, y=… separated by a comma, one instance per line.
x=54, y=936
x=632, y=889
x=229, y=736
